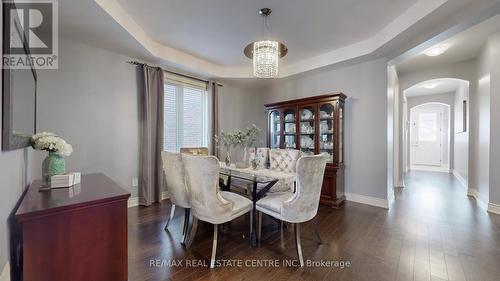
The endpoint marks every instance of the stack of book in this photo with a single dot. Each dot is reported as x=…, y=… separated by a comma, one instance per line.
x=65, y=180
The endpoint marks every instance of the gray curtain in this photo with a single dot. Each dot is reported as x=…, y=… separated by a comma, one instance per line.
x=151, y=134
x=213, y=109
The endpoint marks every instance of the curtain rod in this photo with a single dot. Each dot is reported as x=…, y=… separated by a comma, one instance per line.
x=176, y=73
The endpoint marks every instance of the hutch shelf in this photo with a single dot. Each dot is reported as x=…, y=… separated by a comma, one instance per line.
x=314, y=125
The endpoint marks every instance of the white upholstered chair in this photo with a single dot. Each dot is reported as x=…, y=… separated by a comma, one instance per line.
x=260, y=154
x=195, y=150
x=282, y=164
x=283, y=160
x=207, y=202
x=300, y=206
x=176, y=187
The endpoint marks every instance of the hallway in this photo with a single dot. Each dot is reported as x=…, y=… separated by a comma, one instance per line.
x=444, y=233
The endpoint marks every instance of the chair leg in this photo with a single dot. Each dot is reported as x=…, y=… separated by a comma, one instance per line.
x=282, y=235
x=186, y=225
x=214, y=245
x=251, y=223
x=297, y=242
x=259, y=226
x=316, y=230
x=172, y=212
x=194, y=227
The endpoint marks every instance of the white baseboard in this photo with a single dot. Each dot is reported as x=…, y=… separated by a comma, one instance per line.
x=494, y=208
x=460, y=178
x=441, y=169
x=400, y=184
x=474, y=193
x=368, y=200
x=5, y=275
x=164, y=195
x=134, y=201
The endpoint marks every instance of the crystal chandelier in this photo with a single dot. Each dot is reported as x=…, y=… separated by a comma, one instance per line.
x=265, y=59
x=266, y=53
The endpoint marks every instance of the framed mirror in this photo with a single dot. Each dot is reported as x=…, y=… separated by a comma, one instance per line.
x=19, y=89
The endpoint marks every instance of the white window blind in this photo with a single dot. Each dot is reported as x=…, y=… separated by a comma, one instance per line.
x=175, y=79
x=185, y=116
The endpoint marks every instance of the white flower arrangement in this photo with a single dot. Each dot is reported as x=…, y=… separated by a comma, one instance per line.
x=52, y=143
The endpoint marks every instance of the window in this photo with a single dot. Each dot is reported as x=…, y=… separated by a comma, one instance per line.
x=185, y=116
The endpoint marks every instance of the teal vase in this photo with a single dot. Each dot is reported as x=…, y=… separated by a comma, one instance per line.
x=52, y=165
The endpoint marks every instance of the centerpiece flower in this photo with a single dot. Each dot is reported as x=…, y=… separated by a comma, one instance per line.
x=56, y=147
x=239, y=138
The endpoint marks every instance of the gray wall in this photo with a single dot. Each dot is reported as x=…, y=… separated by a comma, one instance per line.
x=481, y=120
x=461, y=138
x=92, y=102
x=241, y=106
x=365, y=84
x=494, y=68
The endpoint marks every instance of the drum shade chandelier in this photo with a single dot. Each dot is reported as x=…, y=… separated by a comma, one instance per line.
x=266, y=53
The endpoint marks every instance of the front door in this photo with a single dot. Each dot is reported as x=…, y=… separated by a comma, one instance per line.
x=426, y=135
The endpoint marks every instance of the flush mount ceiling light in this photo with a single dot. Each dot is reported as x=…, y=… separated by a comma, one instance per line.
x=436, y=51
x=266, y=53
x=431, y=85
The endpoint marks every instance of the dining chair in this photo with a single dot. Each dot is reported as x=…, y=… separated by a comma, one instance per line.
x=208, y=203
x=177, y=188
x=298, y=207
x=202, y=151
x=283, y=160
x=282, y=163
x=261, y=156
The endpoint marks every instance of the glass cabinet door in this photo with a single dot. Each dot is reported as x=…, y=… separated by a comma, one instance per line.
x=274, y=129
x=307, y=133
x=290, y=132
x=326, y=123
x=341, y=134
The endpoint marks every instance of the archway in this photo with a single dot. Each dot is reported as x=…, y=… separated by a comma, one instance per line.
x=430, y=140
x=453, y=93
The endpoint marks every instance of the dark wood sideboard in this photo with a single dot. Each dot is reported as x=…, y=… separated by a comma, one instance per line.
x=314, y=125
x=77, y=233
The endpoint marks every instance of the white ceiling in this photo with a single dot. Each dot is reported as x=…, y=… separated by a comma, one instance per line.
x=85, y=21
x=218, y=30
x=461, y=47
x=444, y=85
x=206, y=38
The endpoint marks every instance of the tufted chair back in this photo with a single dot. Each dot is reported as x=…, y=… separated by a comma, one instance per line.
x=195, y=150
x=202, y=178
x=261, y=154
x=303, y=206
x=284, y=160
x=175, y=178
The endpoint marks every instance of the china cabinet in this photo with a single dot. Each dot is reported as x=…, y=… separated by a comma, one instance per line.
x=314, y=125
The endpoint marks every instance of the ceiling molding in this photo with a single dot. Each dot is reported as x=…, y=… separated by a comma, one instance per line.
x=204, y=67
x=410, y=17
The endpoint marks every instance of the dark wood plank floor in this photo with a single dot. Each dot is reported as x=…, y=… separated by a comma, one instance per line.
x=433, y=231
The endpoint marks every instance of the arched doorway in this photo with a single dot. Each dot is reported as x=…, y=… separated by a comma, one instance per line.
x=430, y=137
x=453, y=94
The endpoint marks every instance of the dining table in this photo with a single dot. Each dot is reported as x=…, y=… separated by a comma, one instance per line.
x=261, y=180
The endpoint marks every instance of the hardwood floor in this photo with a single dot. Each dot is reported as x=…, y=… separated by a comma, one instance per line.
x=433, y=231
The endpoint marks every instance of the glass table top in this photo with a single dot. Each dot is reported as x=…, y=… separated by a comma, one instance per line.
x=245, y=174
